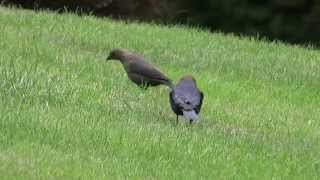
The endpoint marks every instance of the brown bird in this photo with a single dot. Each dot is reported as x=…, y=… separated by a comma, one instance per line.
x=138, y=70
x=186, y=99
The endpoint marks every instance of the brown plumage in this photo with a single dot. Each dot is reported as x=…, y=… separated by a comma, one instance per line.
x=138, y=70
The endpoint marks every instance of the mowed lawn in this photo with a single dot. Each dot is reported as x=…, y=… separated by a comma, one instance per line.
x=66, y=113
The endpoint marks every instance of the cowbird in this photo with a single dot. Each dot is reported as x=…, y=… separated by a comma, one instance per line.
x=139, y=70
x=186, y=99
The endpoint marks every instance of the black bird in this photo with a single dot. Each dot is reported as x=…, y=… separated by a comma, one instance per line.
x=138, y=70
x=186, y=99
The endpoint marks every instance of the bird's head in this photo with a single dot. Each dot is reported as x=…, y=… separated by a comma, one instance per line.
x=117, y=54
x=188, y=78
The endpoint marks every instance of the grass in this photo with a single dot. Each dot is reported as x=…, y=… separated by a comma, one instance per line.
x=67, y=114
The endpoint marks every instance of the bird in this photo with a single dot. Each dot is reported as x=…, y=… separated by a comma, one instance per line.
x=139, y=70
x=186, y=99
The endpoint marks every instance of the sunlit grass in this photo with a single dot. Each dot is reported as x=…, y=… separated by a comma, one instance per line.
x=66, y=113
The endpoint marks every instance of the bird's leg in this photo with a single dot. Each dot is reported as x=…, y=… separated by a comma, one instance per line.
x=177, y=119
x=144, y=86
x=190, y=121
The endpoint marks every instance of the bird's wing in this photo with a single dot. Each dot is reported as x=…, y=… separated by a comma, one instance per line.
x=189, y=101
x=147, y=71
x=182, y=101
x=198, y=107
x=175, y=107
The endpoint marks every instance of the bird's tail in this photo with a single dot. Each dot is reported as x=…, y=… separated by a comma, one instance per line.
x=191, y=115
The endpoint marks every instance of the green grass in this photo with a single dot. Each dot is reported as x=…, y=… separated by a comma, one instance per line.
x=67, y=114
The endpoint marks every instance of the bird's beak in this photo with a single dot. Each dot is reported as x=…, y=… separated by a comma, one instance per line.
x=108, y=58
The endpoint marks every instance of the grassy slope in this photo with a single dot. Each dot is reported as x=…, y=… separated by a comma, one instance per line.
x=65, y=112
